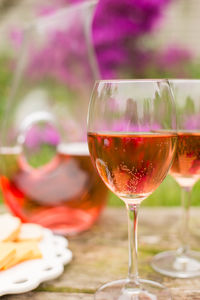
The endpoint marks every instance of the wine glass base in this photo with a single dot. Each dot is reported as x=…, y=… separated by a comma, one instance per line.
x=124, y=290
x=179, y=266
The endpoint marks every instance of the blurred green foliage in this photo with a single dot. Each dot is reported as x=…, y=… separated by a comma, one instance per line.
x=5, y=81
x=167, y=194
x=41, y=157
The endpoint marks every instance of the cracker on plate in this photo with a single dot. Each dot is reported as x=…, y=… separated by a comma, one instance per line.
x=9, y=227
x=24, y=251
x=30, y=231
x=7, y=253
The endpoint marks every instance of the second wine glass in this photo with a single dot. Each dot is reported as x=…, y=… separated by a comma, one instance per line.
x=184, y=263
x=132, y=144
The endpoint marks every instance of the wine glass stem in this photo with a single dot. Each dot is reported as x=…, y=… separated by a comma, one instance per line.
x=132, y=211
x=184, y=230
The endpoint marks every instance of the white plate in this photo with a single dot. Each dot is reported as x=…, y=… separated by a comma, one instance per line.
x=28, y=275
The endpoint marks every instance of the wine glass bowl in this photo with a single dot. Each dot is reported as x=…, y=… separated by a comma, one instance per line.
x=184, y=263
x=132, y=177
x=132, y=141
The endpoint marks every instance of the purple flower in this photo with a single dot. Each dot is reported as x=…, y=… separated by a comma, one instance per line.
x=45, y=135
x=174, y=59
x=33, y=137
x=51, y=135
x=117, y=29
x=170, y=62
x=47, y=10
x=64, y=57
x=125, y=125
x=192, y=122
x=117, y=25
x=16, y=36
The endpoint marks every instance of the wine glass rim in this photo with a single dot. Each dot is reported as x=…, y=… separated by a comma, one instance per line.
x=184, y=80
x=130, y=80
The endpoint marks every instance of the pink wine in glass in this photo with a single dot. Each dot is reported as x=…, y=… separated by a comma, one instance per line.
x=186, y=165
x=132, y=165
x=65, y=195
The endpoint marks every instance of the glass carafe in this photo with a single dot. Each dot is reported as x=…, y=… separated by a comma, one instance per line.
x=47, y=176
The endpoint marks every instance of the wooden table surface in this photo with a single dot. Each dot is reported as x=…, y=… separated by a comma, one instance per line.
x=101, y=255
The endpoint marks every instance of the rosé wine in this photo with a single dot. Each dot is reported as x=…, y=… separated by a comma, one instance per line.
x=186, y=165
x=132, y=165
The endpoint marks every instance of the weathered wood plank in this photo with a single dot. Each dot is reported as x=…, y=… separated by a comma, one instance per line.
x=101, y=255
x=48, y=296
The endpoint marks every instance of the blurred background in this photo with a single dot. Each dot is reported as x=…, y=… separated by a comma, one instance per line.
x=130, y=38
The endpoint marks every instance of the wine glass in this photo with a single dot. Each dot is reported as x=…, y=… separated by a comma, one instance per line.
x=183, y=262
x=47, y=175
x=132, y=140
